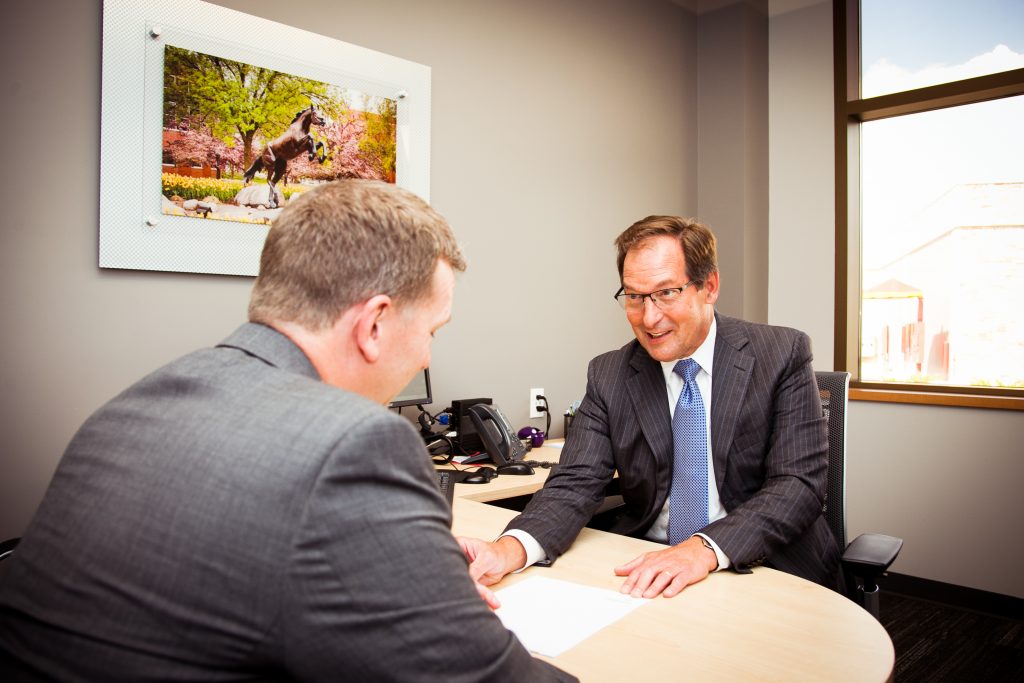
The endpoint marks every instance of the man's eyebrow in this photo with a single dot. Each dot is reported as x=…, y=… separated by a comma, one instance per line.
x=663, y=284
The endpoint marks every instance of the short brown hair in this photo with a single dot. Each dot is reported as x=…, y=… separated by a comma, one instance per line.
x=343, y=242
x=695, y=238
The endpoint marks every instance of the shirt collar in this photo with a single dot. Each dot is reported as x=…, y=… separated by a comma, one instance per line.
x=704, y=355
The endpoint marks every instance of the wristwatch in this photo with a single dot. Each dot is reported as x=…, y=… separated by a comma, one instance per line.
x=707, y=544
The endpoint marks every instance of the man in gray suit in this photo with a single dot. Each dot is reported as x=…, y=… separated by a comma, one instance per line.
x=761, y=476
x=251, y=511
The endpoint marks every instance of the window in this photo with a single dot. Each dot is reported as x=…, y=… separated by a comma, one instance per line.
x=908, y=44
x=930, y=199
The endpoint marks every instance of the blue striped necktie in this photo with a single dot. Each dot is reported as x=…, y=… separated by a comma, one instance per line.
x=688, y=498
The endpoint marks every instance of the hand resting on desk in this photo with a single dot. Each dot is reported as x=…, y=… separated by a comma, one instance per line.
x=490, y=562
x=487, y=594
x=667, y=571
x=663, y=572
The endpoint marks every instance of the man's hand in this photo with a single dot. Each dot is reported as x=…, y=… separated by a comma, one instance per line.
x=488, y=595
x=667, y=571
x=489, y=562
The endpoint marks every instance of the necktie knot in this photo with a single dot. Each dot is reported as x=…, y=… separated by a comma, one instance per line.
x=687, y=369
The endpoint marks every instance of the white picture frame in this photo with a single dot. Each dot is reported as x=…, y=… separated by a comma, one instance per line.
x=133, y=233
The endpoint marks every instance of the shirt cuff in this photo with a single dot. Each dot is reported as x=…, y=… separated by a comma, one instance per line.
x=534, y=553
x=723, y=560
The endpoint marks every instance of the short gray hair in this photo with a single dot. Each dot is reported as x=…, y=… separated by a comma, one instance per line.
x=344, y=242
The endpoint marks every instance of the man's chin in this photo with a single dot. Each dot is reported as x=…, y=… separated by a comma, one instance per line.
x=658, y=351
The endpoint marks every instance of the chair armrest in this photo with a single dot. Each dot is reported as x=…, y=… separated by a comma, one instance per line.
x=871, y=554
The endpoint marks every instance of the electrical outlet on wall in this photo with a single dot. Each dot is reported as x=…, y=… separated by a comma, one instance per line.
x=536, y=405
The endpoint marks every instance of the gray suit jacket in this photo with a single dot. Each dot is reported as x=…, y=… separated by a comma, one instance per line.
x=769, y=444
x=231, y=517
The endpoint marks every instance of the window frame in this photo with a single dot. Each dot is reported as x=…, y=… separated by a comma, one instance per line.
x=850, y=111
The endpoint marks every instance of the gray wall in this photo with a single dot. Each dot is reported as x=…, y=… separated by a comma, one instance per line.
x=732, y=151
x=555, y=124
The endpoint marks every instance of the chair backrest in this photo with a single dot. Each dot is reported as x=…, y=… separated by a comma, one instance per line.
x=834, y=387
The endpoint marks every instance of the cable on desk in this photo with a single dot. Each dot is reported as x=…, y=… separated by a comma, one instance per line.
x=546, y=464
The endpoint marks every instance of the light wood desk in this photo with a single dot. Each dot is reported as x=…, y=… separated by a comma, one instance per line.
x=511, y=485
x=765, y=626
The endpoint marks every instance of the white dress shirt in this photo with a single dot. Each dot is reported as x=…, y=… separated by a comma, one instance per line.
x=704, y=356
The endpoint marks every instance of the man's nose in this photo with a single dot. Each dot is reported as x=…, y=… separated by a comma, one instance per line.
x=652, y=314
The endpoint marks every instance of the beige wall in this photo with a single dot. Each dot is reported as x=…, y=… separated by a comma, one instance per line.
x=946, y=480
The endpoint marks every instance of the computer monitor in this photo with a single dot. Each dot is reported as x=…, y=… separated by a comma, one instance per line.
x=417, y=392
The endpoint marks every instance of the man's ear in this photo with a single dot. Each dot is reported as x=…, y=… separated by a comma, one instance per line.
x=368, y=330
x=711, y=288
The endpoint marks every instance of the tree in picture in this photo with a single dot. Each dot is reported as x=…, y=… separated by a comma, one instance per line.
x=223, y=118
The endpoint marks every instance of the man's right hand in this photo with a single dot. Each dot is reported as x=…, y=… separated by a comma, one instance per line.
x=489, y=562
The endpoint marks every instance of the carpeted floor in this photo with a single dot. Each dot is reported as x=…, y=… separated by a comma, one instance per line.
x=936, y=642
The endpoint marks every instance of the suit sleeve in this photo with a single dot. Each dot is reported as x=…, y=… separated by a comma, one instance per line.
x=784, y=471
x=576, y=488
x=378, y=589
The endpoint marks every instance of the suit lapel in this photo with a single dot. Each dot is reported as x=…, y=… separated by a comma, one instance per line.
x=646, y=391
x=732, y=372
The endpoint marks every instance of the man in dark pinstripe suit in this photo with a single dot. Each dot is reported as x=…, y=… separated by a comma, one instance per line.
x=768, y=442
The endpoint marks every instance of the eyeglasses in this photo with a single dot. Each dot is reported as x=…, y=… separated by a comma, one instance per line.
x=663, y=298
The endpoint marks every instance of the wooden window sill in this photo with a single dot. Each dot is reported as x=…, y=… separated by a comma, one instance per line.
x=933, y=398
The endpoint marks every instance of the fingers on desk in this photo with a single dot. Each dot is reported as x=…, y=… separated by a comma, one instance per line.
x=488, y=595
x=487, y=561
x=665, y=572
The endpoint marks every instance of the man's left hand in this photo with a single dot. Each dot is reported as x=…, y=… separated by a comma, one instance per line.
x=668, y=571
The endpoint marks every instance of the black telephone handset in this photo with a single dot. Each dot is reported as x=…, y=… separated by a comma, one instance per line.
x=504, y=447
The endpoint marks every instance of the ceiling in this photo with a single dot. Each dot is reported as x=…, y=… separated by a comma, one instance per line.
x=773, y=7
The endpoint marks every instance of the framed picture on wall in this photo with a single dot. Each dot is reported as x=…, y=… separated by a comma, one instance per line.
x=212, y=120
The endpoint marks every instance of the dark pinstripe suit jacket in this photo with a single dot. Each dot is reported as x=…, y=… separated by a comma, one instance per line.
x=768, y=440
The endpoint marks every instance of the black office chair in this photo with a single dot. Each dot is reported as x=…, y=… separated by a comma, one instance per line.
x=869, y=555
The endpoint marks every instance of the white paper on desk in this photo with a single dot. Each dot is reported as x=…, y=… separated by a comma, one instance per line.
x=549, y=616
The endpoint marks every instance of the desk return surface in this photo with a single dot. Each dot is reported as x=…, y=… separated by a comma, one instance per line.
x=765, y=626
x=511, y=485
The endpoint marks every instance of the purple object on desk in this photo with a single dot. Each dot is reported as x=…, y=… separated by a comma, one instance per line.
x=536, y=436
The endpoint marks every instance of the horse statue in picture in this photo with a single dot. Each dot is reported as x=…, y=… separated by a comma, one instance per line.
x=290, y=144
